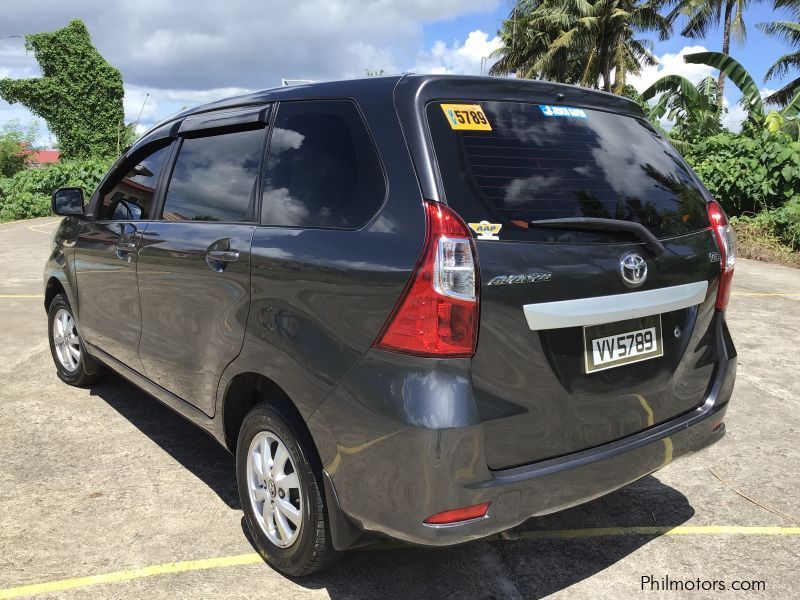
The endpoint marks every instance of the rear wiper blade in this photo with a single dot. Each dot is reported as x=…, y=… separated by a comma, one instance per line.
x=650, y=241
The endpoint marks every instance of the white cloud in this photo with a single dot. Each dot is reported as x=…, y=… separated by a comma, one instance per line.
x=736, y=114
x=672, y=64
x=461, y=58
x=136, y=100
x=187, y=57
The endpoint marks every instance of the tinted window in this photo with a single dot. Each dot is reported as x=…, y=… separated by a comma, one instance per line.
x=215, y=178
x=322, y=169
x=133, y=196
x=537, y=163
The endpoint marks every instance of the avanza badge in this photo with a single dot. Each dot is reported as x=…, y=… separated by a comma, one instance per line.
x=486, y=230
x=466, y=116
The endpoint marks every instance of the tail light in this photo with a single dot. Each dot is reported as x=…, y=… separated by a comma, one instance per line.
x=437, y=315
x=726, y=242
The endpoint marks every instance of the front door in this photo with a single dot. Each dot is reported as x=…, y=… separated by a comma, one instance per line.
x=194, y=265
x=109, y=315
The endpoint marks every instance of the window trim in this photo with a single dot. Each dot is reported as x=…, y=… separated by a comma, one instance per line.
x=375, y=148
x=124, y=167
x=265, y=115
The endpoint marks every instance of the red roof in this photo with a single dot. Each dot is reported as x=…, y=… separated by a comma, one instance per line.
x=44, y=157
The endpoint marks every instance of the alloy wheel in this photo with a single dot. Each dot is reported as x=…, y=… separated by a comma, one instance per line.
x=274, y=488
x=66, y=340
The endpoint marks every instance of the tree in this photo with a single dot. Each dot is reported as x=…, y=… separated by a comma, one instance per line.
x=580, y=41
x=79, y=93
x=693, y=108
x=15, y=143
x=758, y=118
x=702, y=15
x=788, y=31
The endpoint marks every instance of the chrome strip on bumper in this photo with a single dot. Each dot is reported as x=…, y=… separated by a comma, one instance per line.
x=617, y=307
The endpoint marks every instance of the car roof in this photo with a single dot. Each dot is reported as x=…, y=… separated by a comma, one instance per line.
x=460, y=86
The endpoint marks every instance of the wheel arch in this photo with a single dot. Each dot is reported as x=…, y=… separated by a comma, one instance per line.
x=53, y=288
x=246, y=390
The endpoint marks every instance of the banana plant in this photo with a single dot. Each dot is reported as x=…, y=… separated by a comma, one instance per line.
x=784, y=119
x=693, y=108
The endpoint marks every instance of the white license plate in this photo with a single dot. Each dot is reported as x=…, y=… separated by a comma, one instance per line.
x=622, y=344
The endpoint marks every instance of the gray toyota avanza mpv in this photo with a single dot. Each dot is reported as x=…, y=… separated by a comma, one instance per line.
x=425, y=308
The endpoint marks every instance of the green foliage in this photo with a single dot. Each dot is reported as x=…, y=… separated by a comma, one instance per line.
x=693, y=108
x=79, y=95
x=788, y=31
x=738, y=75
x=771, y=234
x=27, y=193
x=579, y=41
x=14, y=140
x=748, y=174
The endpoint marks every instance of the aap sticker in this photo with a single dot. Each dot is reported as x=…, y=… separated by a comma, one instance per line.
x=486, y=230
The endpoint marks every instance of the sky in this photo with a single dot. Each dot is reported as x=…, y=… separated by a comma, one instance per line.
x=186, y=53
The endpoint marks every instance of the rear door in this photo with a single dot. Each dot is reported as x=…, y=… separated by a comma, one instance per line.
x=106, y=255
x=194, y=262
x=586, y=336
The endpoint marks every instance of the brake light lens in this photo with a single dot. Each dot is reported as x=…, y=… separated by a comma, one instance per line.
x=459, y=514
x=437, y=315
x=726, y=243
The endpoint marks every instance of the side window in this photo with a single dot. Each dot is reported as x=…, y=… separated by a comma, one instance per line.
x=322, y=168
x=132, y=197
x=215, y=178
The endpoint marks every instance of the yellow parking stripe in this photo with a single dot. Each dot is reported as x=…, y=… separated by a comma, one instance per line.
x=789, y=294
x=165, y=569
x=21, y=295
x=678, y=530
x=253, y=558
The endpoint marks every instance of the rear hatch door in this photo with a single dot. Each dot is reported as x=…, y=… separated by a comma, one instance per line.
x=578, y=345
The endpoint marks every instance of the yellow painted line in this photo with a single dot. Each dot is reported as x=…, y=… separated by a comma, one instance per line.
x=165, y=569
x=15, y=222
x=36, y=227
x=21, y=295
x=678, y=530
x=253, y=558
x=790, y=294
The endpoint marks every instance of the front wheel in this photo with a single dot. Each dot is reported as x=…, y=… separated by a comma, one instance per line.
x=280, y=488
x=73, y=365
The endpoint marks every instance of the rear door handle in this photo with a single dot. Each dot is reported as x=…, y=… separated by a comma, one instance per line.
x=217, y=260
x=126, y=246
x=227, y=256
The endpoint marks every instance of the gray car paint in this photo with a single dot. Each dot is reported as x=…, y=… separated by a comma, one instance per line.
x=403, y=437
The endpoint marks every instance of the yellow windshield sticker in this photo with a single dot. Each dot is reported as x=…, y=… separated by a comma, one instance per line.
x=466, y=116
x=486, y=230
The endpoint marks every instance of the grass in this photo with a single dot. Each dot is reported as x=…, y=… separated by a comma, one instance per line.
x=758, y=241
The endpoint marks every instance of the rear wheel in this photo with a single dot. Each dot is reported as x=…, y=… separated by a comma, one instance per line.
x=280, y=488
x=73, y=365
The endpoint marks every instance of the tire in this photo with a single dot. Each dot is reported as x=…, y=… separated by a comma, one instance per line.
x=78, y=371
x=302, y=548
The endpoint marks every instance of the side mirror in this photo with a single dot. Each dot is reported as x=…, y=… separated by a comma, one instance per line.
x=68, y=202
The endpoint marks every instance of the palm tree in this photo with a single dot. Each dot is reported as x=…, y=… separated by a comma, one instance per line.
x=702, y=15
x=579, y=41
x=788, y=31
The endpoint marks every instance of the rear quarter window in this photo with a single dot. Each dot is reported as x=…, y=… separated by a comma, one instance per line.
x=322, y=169
x=535, y=163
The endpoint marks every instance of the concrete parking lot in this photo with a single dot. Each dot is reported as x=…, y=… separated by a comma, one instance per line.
x=105, y=493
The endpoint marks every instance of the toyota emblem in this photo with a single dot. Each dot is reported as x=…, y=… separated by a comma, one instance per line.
x=633, y=269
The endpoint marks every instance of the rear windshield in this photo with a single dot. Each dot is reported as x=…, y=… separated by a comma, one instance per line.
x=529, y=162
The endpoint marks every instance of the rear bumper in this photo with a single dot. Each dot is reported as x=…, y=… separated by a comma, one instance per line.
x=386, y=475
